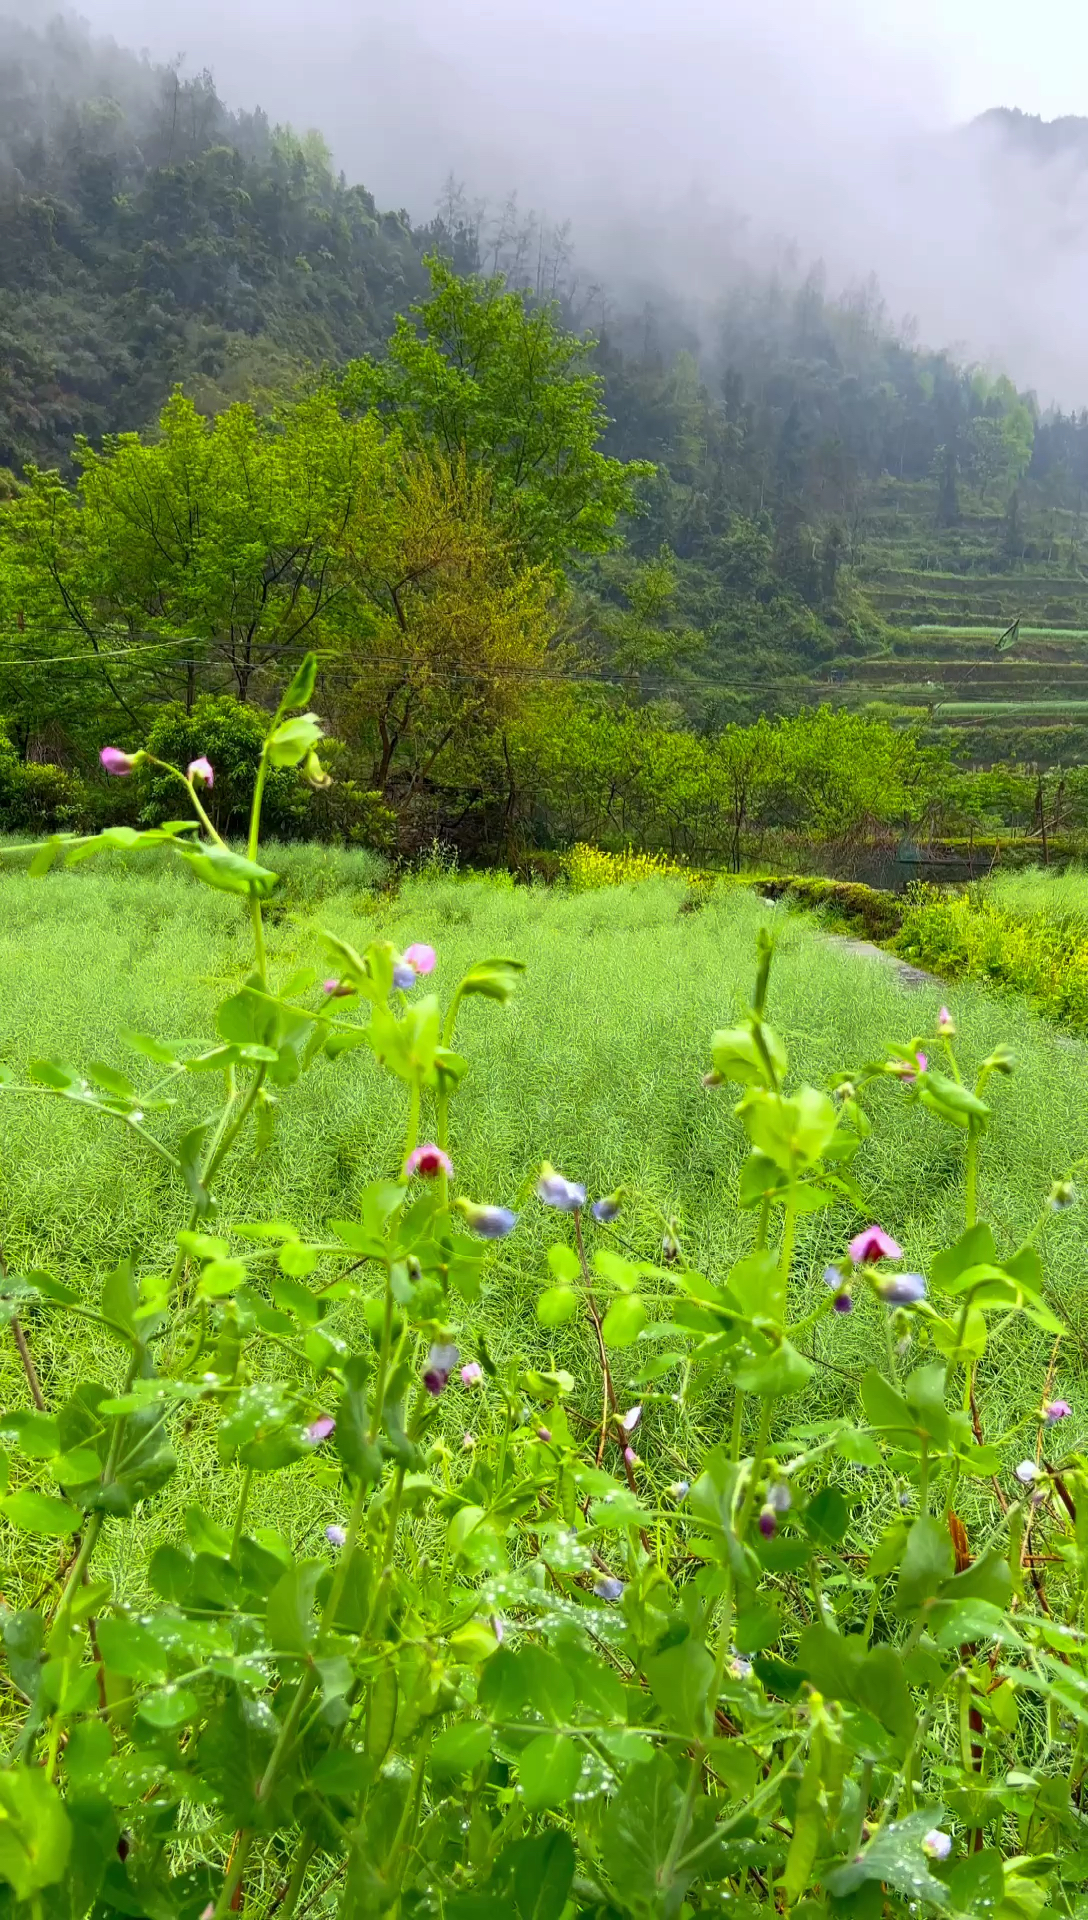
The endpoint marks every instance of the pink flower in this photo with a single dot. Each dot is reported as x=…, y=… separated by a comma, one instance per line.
x=630, y=1456
x=471, y=1374
x=1056, y=1410
x=631, y=1419
x=201, y=772
x=116, y=762
x=320, y=1428
x=428, y=1161
x=946, y=1026
x=873, y=1244
x=421, y=957
x=337, y=989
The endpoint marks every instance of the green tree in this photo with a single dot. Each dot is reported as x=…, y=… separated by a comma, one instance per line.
x=487, y=374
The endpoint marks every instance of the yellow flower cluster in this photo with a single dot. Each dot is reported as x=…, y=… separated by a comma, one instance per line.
x=590, y=867
x=969, y=934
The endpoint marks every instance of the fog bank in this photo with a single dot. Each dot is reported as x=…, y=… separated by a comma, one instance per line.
x=679, y=137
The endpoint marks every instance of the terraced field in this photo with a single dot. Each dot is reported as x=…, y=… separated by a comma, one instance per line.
x=949, y=598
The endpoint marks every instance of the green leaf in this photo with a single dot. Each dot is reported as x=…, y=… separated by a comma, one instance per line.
x=624, y=1320
x=736, y=1055
x=129, y=1649
x=495, y=979
x=301, y=690
x=459, y=1750
x=774, y=1375
x=564, y=1262
x=759, y=1288
x=542, y=1872
x=41, y=1513
x=549, y=1770
x=952, y=1102
x=228, y=872
x=896, y=1856
x=292, y=740
x=555, y=1305
x=827, y=1517
x=289, y=1622
x=35, y=1832
x=927, y=1561
x=169, y=1707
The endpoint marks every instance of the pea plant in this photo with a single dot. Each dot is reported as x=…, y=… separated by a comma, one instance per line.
x=578, y=1662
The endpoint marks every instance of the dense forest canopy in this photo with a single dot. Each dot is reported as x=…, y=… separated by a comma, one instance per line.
x=534, y=532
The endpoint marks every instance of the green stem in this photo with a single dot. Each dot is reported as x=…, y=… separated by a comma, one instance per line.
x=970, y=1197
x=79, y=1567
x=240, y=1511
x=257, y=923
x=762, y=1438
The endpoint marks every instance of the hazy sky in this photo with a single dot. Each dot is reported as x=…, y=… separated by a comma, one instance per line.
x=657, y=124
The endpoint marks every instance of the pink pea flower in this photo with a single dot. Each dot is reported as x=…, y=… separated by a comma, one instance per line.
x=544, y=1433
x=873, y=1244
x=428, y=1161
x=946, y=1026
x=337, y=989
x=116, y=762
x=1056, y=1410
x=471, y=1374
x=320, y=1428
x=631, y=1419
x=630, y=1456
x=201, y=772
x=420, y=957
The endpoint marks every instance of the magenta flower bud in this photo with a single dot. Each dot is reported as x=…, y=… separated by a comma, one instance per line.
x=336, y=1536
x=946, y=1026
x=630, y=1456
x=608, y=1589
x=1056, y=1410
x=420, y=957
x=472, y=1374
x=320, y=1428
x=873, y=1244
x=551, y=1187
x=544, y=1433
x=441, y=1361
x=901, y=1289
x=117, y=763
x=469, y=1442
x=404, y=976
x=491, y=1223
x=428, y=1161
x=337, y=989
x=768, y=1522
x=843, y=1301
x=201, y=772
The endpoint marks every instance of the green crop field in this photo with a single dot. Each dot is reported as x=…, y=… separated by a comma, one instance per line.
x=596, y=1065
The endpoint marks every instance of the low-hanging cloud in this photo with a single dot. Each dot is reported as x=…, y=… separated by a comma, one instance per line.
x=682, y=138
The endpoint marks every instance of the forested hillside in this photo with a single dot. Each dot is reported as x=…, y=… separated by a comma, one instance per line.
x=677, y=520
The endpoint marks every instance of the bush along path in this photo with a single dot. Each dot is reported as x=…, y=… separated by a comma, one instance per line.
x=610, y=1654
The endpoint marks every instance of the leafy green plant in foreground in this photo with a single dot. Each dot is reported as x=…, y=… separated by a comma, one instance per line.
x=556, y=1667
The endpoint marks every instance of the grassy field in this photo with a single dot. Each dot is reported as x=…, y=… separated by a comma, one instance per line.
x=596, y=1065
